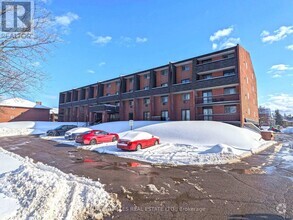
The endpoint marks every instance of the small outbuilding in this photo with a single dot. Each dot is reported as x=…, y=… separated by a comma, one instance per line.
x=18, y=109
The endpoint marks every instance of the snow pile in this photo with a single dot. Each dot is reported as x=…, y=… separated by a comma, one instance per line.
x=121, y=126
x=288, y=130
x=78, y=130
x=35, y=190
x=204, y=133
x=30, y=127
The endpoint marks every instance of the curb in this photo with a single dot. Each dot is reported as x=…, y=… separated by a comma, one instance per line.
x=254, y=151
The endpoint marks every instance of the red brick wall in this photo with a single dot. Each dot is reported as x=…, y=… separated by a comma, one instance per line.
x=143, y=82
x=112, y=89
x=160, y=79
x=180, y=75
x=180, y=104
x=248, y=92
x=8, y=114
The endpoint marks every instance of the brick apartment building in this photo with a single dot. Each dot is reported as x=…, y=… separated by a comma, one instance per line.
x=18, y=109
x=219, y=86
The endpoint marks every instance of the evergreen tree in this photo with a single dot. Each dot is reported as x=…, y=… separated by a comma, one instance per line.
x=278, y=118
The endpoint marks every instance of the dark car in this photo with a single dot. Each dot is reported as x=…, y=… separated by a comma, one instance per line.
x=61, y=130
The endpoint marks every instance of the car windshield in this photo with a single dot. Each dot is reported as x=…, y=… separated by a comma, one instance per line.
x=59, y=127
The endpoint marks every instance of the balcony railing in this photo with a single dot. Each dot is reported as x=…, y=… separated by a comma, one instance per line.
x=219, y=117
x=217, y=98
x=216, y=65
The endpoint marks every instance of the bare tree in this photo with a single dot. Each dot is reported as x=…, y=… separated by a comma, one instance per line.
x=20, y=56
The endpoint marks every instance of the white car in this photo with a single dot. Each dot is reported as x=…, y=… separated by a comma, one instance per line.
x=71, y=134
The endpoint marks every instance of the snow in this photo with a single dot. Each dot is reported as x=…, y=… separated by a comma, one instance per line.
x=121, y=126
x=22, y=103
x=33, y=190
x=78, y=130
x=30, y=127
x=182, y=142
x=135, y=135
x=288, y=130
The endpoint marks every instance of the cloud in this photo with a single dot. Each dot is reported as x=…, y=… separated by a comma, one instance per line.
x=66, y=19
x=290, y=47
x=102, y=63
x=50, y=96
x=230, y=42
x=141, y=39
x=215, y=46
x=36, y=64
x=279, y=69
x=283, y=102
x=102, y=40
x=277, y=35
x=221, y=33
x=91, y=71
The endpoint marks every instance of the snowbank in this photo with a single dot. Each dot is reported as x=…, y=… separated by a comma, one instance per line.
x=121, y=126
x=288, y=130
x=34, y=190
x=204, y=133
x=192, y=142
x=30, y=127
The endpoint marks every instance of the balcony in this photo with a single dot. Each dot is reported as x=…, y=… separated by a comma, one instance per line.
x=219, y=117
x=218, y=98
x=219, y=64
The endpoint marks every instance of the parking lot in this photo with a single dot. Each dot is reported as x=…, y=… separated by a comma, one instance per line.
x=261, y=184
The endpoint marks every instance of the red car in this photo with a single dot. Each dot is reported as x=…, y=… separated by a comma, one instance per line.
x=136, y=140
x=96, y=137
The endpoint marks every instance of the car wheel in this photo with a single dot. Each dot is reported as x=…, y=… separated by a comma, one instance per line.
x=156, y=142
x=51, y=133
x=138, y=147
x=93, y=142
x=114, y=139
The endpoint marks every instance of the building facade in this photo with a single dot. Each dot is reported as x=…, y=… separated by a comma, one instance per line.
x=219, y=86
x=18, y=109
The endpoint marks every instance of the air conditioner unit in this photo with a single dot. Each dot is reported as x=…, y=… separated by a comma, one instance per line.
x=146, y=105
x=164, y=103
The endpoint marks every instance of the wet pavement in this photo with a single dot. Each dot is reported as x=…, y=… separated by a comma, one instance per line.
x=259, y=187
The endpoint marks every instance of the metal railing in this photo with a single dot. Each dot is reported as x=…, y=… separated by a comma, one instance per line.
x=217, y=98
x=219, y=117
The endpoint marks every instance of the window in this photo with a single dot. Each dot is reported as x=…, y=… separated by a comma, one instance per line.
x=164, y=99
x=146, y=88
x=164, y=72
x=230, y=90
x=207, y=114
x=165, y=116
x=117, y=93
x=146, y=101
x=207, y=76
x=207, y=97
x=108, y=85
x=117, y=103
x=230, y=109
x=146, y=115
x=230, y=55
x=117, y=83
x=185, y=81
x=186, y=96
x=108, y=94
x=185, y=115
x=131, y=80
x=185, y=67
x=229, y=72
x=164, y=84
x=130, y=90
x=206, y=61
x=146, y=76
x=131, y=102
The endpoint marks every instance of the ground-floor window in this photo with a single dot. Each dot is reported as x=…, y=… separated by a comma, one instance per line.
x=130, y=116
x=185, y=115
x=208, y=114
x=230, y=109
x=114, y=117
x=165, y=115
x=146, y=116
